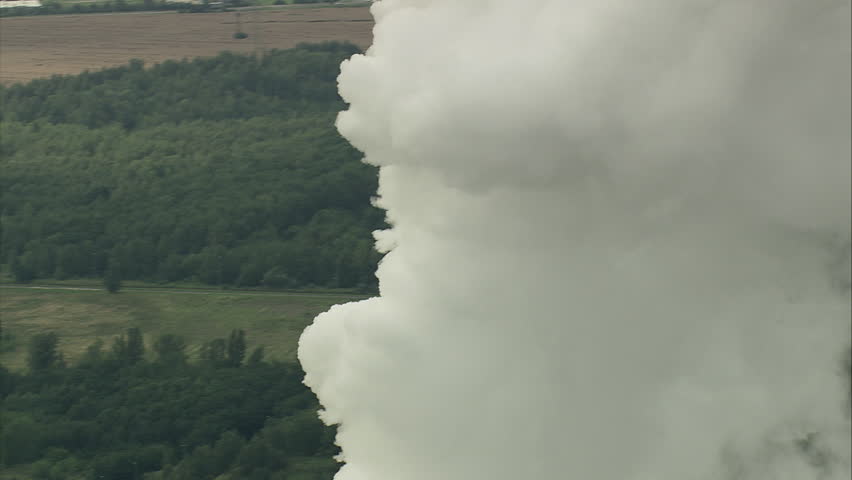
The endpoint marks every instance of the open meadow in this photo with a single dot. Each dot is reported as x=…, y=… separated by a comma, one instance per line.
x=80, y=317
x=40, y=46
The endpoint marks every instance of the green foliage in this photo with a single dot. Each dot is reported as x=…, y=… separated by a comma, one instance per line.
x=283, y=84
x=170, y=350
x=21, y=268
x=20, y=440
x=278, y=278
x=224, y=170
x=129, y=349
x=8, y=340
x=274, y=320
x=101, y=419
x=213, y=353
x=56, y=464
x=56, y=8
x=112, y=278
x=128, y=464
x=236, y=349
x=135, y=346
x=42, y=352
x=94, y=354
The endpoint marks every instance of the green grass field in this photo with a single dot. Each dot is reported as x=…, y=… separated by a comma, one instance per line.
x=271, y=319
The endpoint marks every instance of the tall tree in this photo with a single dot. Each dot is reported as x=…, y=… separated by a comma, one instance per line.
x=21, y=268
x=94, y=354
x=170, y=349
x=213, y=353
x=129, y=349
x=112, y=277
x=42, y=352
x=236, y=348
x=135, y=345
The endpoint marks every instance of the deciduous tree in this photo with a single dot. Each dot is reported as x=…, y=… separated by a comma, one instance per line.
x=236, y=348
x=43, y=352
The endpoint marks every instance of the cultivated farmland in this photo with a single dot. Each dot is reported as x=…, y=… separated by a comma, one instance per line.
x=32, y=47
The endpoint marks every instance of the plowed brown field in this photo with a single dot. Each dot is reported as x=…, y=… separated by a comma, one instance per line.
x=32, y=47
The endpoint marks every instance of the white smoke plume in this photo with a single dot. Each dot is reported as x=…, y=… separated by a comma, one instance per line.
x=619, y=243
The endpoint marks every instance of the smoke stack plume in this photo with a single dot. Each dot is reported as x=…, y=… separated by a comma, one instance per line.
x=619, y=245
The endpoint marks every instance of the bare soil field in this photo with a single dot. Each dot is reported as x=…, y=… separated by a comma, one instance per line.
x=32, y=47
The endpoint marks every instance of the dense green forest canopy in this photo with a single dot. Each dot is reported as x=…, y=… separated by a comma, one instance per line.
x=128, y=411
x=224, y=170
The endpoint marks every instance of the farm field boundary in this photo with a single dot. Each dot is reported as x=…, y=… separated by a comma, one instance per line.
x=41, y=46
x=82, y=315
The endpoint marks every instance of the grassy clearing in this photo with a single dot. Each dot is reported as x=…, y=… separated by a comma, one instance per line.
x=273, y=320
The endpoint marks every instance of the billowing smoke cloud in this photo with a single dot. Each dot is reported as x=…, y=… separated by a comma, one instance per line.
x=619, y=243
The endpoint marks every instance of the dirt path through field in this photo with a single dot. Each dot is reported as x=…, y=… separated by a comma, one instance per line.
x=32, y=47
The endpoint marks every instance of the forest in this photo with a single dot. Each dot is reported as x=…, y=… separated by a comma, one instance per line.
x=129, y=411
x=224, y=171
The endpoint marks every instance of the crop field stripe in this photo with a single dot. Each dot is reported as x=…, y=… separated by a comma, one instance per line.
x=40, y=46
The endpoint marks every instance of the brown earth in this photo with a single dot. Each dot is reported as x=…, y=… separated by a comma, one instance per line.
x=32, y=47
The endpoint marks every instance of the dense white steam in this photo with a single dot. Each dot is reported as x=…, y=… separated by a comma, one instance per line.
x=619, y=243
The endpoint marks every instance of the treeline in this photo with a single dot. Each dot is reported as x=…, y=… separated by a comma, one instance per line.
x=117, y=6
x=126, y=412
x=226, y=171
x=281, y=83
x=108, y=6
